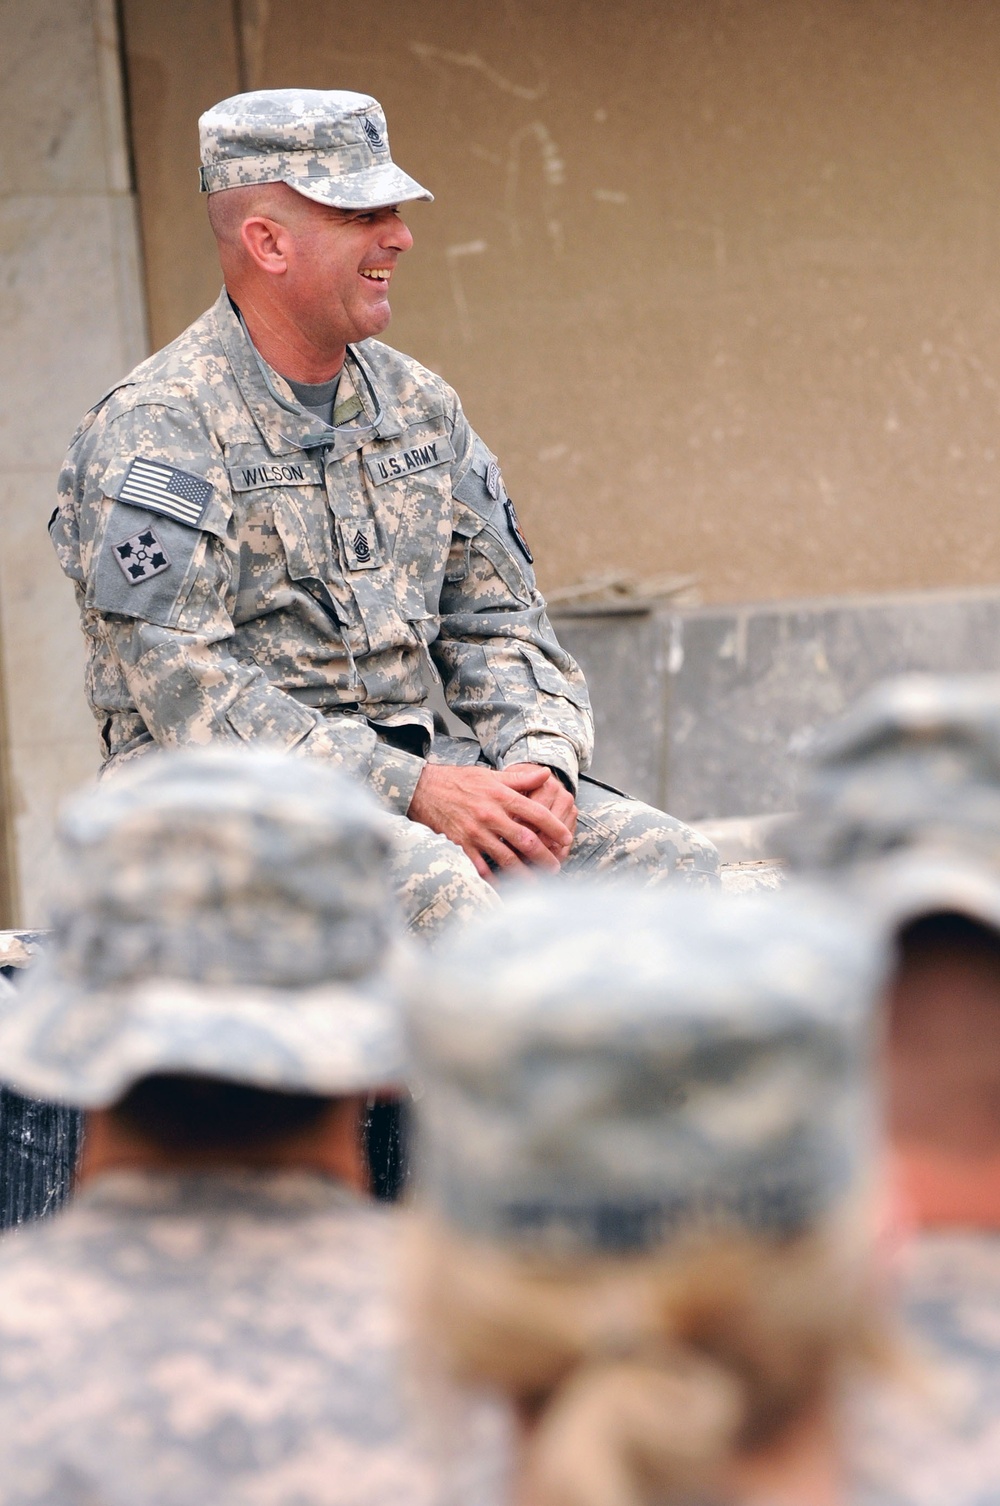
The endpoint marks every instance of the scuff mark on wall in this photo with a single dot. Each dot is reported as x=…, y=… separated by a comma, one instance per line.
x=251, y=19
x=453, y=256
x=553, y=174
x=427, y=53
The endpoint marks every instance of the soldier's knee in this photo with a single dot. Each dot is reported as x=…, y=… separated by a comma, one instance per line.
x=627, y=836
x=436, y=885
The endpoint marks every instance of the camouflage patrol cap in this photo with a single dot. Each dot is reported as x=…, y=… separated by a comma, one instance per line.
x=328, y=144
x=611, y=1069
x=223, y=913
x=902, y=799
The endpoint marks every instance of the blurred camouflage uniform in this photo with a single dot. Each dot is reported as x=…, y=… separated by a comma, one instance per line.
x=902, y=799
x=902, y=805
x=219, y=1337
x=933, y=1438
x=246, y=571
x=643, y=1065
x=649, y=1082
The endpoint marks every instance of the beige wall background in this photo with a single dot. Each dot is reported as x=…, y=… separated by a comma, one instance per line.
x=71, y=320
x=717, y=279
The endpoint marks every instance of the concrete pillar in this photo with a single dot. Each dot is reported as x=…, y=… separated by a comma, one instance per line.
x=71, y=321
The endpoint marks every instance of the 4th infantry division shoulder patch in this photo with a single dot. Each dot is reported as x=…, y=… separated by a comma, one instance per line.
x=141, y=557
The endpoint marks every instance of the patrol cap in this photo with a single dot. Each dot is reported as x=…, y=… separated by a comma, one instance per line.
x=221, y=913
x=613, y=1069
x=902, y=799
x=329, y=144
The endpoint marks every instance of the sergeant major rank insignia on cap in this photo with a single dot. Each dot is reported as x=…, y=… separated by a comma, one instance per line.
x=371, y=131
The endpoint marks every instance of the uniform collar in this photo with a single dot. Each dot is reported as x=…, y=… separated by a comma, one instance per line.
x=365, y=411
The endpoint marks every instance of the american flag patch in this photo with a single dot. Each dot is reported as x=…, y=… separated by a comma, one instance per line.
x=163, y=488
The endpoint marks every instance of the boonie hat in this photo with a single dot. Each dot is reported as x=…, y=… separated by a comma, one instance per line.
x=220, y=913
x=329, y=144
x=609, y=1070
x=902, y=800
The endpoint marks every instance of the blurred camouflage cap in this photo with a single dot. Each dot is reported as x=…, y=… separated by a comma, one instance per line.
x=328, y=144
x=610, y=1069
x=224, y=913
x=902, y=799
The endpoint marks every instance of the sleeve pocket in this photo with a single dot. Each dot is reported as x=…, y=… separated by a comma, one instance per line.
x=258, y=713
x=145, y=565
x=551, y=680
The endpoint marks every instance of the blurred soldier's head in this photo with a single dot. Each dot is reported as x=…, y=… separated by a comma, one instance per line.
x=216, y=987
x=303, y=200
x=902, y=805
x=645, y=1138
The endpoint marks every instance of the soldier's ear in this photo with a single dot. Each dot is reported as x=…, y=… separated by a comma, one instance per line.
x=265, y=242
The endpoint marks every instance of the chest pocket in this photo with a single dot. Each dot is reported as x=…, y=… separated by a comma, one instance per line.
x=391, y=506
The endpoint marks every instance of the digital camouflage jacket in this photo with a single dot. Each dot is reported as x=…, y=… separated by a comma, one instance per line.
x=244, y=570
x=930, y=1435
x=232, y=1338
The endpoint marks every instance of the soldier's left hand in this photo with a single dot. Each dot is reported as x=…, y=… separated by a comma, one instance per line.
x=553, y=794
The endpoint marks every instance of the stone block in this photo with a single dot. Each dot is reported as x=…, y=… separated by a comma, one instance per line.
x=704, y=710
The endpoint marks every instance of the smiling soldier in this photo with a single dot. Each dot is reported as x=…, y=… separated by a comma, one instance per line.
x=282, y=529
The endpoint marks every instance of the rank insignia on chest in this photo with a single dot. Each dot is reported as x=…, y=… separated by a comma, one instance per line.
x=141, y=557
x=359, y=542
x=515, y=529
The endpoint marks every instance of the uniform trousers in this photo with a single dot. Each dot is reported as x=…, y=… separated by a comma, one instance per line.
x=616, y=836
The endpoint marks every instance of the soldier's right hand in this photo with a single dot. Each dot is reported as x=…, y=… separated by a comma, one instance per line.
x=480, y=812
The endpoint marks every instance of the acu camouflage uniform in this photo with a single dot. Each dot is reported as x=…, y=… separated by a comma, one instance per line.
x=247, y=571
x=227, y=1338
x=221, y=1337
x=933, y=1438
x=901, y=805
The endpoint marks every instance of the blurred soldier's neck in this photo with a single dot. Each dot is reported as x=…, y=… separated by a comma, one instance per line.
x=333, y=1147
x=944, y=1074
x=801, y=1468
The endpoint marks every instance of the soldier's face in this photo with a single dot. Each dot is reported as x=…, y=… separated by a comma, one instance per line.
x=340, y=266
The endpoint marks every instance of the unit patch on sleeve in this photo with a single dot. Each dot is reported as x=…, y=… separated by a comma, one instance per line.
x=494, y=480
x=383, y=468
x=515, y=529
x=141, y=557
x=163, y=488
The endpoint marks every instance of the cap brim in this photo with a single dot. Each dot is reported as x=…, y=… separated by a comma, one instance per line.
x=916, y=882
x=71, y=1045
x=374, y=188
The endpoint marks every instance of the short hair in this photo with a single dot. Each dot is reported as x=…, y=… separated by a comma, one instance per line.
x=952, y=929
x=229, y=207
x=177, y=1112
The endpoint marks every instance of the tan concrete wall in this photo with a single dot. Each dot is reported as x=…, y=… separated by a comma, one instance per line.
x=717, y=279
x=70, y=322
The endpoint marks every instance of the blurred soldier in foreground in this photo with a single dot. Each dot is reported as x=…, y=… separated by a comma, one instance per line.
x=210, y=1321
x=280, y=528
x=645, y=1200
x=903, y=806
